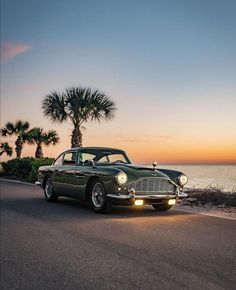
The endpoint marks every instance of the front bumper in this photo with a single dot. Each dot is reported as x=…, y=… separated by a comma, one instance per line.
x=129, y=199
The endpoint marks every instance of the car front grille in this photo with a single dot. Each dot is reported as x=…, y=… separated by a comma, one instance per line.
x=153, y=186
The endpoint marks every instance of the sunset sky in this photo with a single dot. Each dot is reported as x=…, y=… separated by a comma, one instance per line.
x=169, y=65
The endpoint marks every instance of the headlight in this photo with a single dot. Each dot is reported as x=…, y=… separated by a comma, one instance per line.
x=121, y=178
x=183, y=179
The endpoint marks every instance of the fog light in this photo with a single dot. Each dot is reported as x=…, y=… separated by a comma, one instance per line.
x=138, y=202
x=171, y=201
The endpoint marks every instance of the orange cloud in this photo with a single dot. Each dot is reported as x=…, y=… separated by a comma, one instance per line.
x=10, y=50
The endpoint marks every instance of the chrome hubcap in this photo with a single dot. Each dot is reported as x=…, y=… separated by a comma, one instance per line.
x=48, y=188
x=98, y=195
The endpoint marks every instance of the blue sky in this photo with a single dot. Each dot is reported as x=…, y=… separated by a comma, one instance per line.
x=170, y=66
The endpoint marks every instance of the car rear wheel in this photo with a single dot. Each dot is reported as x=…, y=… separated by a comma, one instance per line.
x=98, y=197
x=49, y=192
x=162, y=207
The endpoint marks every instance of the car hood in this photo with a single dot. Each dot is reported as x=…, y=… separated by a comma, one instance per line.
x=135, y=171
x=140, y=171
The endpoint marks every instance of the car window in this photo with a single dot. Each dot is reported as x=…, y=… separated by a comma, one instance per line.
x=59, y=159
x=69, y=158
x=104, y=159
x=83, y=157
x=117, y=157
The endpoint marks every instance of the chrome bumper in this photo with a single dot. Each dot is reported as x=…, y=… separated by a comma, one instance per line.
x=132, y=196
x=38, y=183
x=182, y=195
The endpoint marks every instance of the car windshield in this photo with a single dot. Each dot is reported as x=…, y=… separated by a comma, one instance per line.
x=103, y=157
x=112, y=158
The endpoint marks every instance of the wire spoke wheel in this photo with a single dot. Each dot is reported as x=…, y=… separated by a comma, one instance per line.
x=98, y=195
x=48, y=188
x=98, y=198
x=49, y=192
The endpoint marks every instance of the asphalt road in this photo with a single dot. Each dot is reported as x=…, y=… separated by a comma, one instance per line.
x=65, y=245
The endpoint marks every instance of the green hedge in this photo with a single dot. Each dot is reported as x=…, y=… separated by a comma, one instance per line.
x=25, y=168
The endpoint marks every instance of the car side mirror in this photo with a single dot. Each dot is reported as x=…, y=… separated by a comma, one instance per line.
x=91, y=163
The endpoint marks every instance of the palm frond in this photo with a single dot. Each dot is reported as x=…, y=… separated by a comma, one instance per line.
x=78, y=103
x=51, y=137
x=35, y=135
x=83, y=104
x=5, y=132
x=6, y=148
x=10, y=127
x=54, y=107
x=21, y=126
x=102, y=106
x=38, y=135
x=8, y=130
x=17, y=128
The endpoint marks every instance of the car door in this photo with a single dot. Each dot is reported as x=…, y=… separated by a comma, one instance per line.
x=83, y=171
x=67, y=177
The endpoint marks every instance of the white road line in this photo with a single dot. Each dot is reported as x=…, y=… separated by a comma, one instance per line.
x=16, y=181
x=211, y=212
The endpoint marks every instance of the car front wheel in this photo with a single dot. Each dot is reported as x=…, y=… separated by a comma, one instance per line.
x=162, y=207
x=98, y=197
x=49, y=192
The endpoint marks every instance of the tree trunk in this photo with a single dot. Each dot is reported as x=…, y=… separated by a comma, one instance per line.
x=76, y=138
x=39, y=151
x=19, y=145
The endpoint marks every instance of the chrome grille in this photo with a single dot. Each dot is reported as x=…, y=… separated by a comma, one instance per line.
x=153, y=186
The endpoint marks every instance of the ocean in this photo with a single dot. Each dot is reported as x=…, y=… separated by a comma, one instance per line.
x=201, y=176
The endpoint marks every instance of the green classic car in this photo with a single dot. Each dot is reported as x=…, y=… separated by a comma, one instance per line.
x=106, y=177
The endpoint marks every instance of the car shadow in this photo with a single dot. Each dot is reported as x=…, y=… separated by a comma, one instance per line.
x=118, y=211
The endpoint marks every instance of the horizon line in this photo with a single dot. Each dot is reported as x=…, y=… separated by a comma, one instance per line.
x=196, y=163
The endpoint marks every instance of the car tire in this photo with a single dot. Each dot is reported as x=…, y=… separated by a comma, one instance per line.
x=49, y=192
x=98, y=197
x=162, y=207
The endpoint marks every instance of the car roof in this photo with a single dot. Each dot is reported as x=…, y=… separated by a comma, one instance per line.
x=94, y=149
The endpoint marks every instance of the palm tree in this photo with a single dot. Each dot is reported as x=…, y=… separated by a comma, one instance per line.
x=6, y=148
x=39, y=137
x=19, y=128
x=78, y=105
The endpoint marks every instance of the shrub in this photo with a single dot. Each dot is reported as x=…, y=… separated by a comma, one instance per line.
x=25, y=168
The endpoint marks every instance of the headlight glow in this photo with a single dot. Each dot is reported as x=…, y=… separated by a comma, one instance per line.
x=121, y=178
x=183, y=179
x=171, y=201
x=138, y=202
